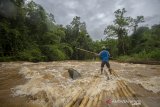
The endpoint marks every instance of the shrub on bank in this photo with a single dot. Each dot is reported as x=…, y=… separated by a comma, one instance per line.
x=142, y=56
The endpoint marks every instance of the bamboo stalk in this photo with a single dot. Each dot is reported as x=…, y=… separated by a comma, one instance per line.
x=129, y=89
x=104, y=99
x=126, y=95
x=87, y=51
x=122, y=94
x=89, y=104
x=134, y=95
x=105, y=95
x=123, y=89
x=113, y=98
x=116, y=94
x=126, y=88
x=73, y=100
x=109, y=96
x=77, y=102
x=84, y=101
x=100, y=99
x=95, y=101
x=113, y=72
x=120, y=91
x=116, y=74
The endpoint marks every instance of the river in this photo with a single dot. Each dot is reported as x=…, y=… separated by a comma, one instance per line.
x=47, y=84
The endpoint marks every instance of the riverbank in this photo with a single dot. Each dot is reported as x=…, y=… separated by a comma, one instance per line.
x=137, y=60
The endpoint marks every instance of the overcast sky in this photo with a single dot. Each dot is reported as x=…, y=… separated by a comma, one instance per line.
x=99, y=13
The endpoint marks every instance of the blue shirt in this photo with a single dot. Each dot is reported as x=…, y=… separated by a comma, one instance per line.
x=104, y=55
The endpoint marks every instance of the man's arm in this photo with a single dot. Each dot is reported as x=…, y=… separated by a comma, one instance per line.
x=96, y=54
x=99, y=54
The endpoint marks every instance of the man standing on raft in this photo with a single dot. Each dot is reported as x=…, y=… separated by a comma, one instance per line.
x=104, y=56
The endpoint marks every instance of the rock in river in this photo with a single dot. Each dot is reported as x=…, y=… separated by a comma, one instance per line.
x=74, y=74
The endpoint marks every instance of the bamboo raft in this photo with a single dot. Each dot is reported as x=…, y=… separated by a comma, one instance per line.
x=104, y=98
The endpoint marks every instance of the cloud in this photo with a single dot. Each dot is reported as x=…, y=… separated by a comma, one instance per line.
x=99, y=13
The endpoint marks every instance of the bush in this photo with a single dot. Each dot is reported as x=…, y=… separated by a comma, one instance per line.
x=124, y=58
x=52, y=52
x=7, y=59
x=142, y=56
x=155, y=55
x=31, y=55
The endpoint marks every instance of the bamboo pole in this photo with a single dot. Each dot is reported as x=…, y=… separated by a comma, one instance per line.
x=122, y=94
x=126, y=90
x=119, y=92
x=100, y=99
x=104, y=98
x=126, y=95
x=113, y=98
x=129, y=89
x=79, y=100
x=95, y=101
x=143, y=104
x=89, y=104
x=116, y=94
x=108, y=96
x=134, y=95
x=123, y=89
x=84, y=101
x=77, y=103
x=115, y=74
x=73, y=100
x=87, y=51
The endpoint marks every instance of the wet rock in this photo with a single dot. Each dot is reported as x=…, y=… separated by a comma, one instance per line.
x=74, y=74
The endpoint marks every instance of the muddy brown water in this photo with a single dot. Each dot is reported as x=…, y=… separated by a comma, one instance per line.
x=47, y=84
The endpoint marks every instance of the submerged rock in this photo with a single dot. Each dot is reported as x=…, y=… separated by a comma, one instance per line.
x=74, y=74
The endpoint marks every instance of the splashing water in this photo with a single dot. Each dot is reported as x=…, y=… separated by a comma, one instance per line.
x=51, y=85
x=150, y=84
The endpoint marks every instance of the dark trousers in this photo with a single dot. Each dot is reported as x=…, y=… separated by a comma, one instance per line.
x=107, y=64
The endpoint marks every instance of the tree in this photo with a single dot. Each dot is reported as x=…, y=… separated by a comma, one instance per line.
x=121, y=27
x=77, y=36
x=136, y=21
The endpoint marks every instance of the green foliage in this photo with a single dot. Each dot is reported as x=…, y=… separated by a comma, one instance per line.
x=29, y=33
x=155, y=55
x=120, y=29
x=33, y=54
x=124, y=58
x=67, y=49
x=141, y=56
x=110, y=44
x=142, y=44
x=52, y=52
x=77, y=36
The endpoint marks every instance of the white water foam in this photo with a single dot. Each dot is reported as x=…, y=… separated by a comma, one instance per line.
x=47, y=82
x=149, y=83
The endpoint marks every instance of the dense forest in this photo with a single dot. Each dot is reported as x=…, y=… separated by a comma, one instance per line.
x=29, y=33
